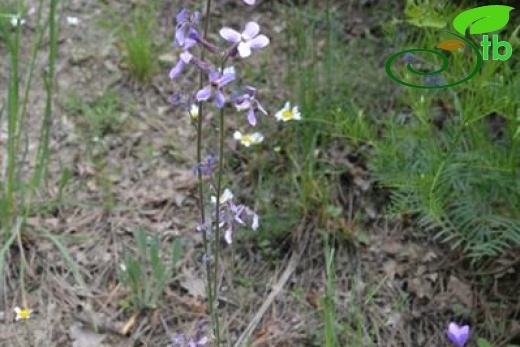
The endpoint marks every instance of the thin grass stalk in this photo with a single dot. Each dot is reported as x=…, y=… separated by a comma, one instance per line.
x=13, y=46
x=28, y=82
x=328, y=309
x=43, y=146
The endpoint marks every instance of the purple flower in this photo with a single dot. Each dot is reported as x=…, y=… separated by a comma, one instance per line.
x=206, y=168
x=185, y=58
x=185, y=30
x=249, y=102
x=236, y=211
x=458, y=334
x=246, y=41
x=408, y=57
x=249, y=2
x=181, y=341
x=434, y=80
x=216, y=82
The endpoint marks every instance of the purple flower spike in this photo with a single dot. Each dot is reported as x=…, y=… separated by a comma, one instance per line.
x=458, y=334
x=185, y=59
x=216, y=84
x=184, y=30
x=247, y=41
x=249, y=102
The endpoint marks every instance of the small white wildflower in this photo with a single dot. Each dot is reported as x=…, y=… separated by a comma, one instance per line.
x=248, y=139
x=225, y=197
x=15, y=20
x=24, y=314
x=287, y=113
x=73, y=20
x=122, y=267
x=228, y=70
x=193, y=112
x=255, y=223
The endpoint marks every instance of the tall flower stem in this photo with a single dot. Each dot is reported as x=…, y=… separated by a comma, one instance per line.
x=221, y=132
x=210, y=290
x=217, y=217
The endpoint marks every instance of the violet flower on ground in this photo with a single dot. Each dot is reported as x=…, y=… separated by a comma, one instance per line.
x=217, y=82
x=458, y=334
x=247, y=41
x=249, y=102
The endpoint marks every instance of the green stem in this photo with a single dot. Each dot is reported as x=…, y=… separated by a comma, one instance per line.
x=43, y=146
x=217, y=217
x=210, y=291
x=13, y=45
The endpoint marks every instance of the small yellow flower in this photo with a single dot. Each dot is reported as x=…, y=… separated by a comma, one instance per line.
x=287, y=113
x=24, y=314
x=248, y=139
x=193, y=112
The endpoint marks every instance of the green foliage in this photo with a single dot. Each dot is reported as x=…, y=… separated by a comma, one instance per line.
x=136, y=33
x=328, y=313
x=146, y=274
x=451, y=157
x=485, y=343
x=102, y=115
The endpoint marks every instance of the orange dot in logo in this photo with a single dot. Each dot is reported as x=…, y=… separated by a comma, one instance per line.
x=451, y=45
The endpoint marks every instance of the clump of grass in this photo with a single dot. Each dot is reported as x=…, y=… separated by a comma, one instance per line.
x=136, y=34
x=146, y=286
x=19, y=184
x=452, y=162
x=102, y=115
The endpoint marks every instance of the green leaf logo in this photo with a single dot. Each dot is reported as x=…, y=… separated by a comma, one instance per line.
x=483, y=19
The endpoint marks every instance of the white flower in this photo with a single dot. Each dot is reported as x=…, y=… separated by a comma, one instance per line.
x=193, y=112
x=247, y=41
x=15, y=20
x=287, y=113
x=255, y=223
x=228, y=70
x=22, y=313
x=73, y=20
x=248, y=139
x=225, y=197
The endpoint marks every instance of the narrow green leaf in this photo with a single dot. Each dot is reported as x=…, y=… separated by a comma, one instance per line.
x=482, y=19
x=140, y=239
x=483, y=343
x=176, y=251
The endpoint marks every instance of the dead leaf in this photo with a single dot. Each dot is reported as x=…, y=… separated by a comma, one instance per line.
x=460, y=291
x=392, y=247
x=84, y=338
x=389, y=267
x=420, y=287
x=195, y=286
x=451, y=45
